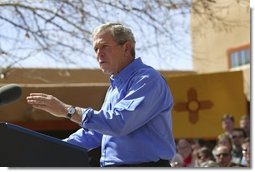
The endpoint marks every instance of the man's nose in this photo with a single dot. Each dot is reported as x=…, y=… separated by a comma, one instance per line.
x=100, y=54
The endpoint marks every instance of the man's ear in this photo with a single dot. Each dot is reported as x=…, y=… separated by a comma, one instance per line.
x=127, y=46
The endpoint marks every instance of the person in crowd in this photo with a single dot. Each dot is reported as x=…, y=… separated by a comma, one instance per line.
x=196, y=144
x=223, y=156
x=238, y=136
x=246, y=150
x=204, y=154
x=185, y=150
x=228, y=123
x=134, y=125
x=177, y=161
x=209, y=163
x=224, y=139
x=245, y=124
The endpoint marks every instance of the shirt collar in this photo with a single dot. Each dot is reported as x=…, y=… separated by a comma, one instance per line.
x=125, y=73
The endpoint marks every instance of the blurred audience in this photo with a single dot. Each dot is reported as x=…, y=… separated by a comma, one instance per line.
x=238, y=136
x=203, y=155
x=177, y=161
x=246, y=152
x=230, y=149
x=223, y=139
x=209, y=163
x=245, y=124
x=228, y=123
x=223, y=156
x=185, y=150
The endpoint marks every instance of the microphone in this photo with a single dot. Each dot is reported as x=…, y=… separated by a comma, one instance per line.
x=9, y=93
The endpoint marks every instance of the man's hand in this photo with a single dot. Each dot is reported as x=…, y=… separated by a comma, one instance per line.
x=48, y=103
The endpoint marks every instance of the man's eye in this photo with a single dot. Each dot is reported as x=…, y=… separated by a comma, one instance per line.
x=104, y=46
x=101, y=47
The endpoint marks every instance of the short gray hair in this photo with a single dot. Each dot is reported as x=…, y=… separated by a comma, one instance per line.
x=120, y=34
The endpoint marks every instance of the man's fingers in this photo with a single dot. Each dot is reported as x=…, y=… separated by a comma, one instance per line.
x=34, y=101
x=47, y=103
x=42, y=99
x=38, y=94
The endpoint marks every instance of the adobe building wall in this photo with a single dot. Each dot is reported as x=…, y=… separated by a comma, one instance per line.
x=210, y=43
x=57, y=76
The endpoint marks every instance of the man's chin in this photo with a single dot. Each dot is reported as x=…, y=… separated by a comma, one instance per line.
x=106, y=71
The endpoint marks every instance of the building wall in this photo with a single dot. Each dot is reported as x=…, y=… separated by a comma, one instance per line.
x=210, y=43
x=53, y=76
x=62, y=76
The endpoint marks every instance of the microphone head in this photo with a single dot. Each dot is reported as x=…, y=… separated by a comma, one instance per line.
x=9, y=93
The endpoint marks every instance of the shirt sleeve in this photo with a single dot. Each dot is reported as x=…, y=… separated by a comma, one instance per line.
x=146, y=97
x=85, y=138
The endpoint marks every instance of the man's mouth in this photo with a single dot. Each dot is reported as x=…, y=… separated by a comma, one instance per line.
x=102, y=62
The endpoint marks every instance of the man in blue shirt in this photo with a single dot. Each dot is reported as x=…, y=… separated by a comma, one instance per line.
x=134, y=125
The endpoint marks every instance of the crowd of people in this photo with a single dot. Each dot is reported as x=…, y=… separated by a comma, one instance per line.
x=231, y=148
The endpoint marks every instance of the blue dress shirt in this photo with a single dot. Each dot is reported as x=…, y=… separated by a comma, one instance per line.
x=134, y=124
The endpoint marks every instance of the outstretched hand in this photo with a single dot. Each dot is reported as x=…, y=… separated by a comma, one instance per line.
x=48, y=103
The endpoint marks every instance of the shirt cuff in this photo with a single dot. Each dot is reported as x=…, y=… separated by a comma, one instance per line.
x=86, y=115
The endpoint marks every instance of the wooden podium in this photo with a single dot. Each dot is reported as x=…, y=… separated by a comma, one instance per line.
x=21, y=147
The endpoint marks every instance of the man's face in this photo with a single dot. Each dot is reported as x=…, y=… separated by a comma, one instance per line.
x=184, y=148
x=245, y=124
x=223, y=156
x=227, y=125
x=110, y=55
x=237, y=138
x=201, y=157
